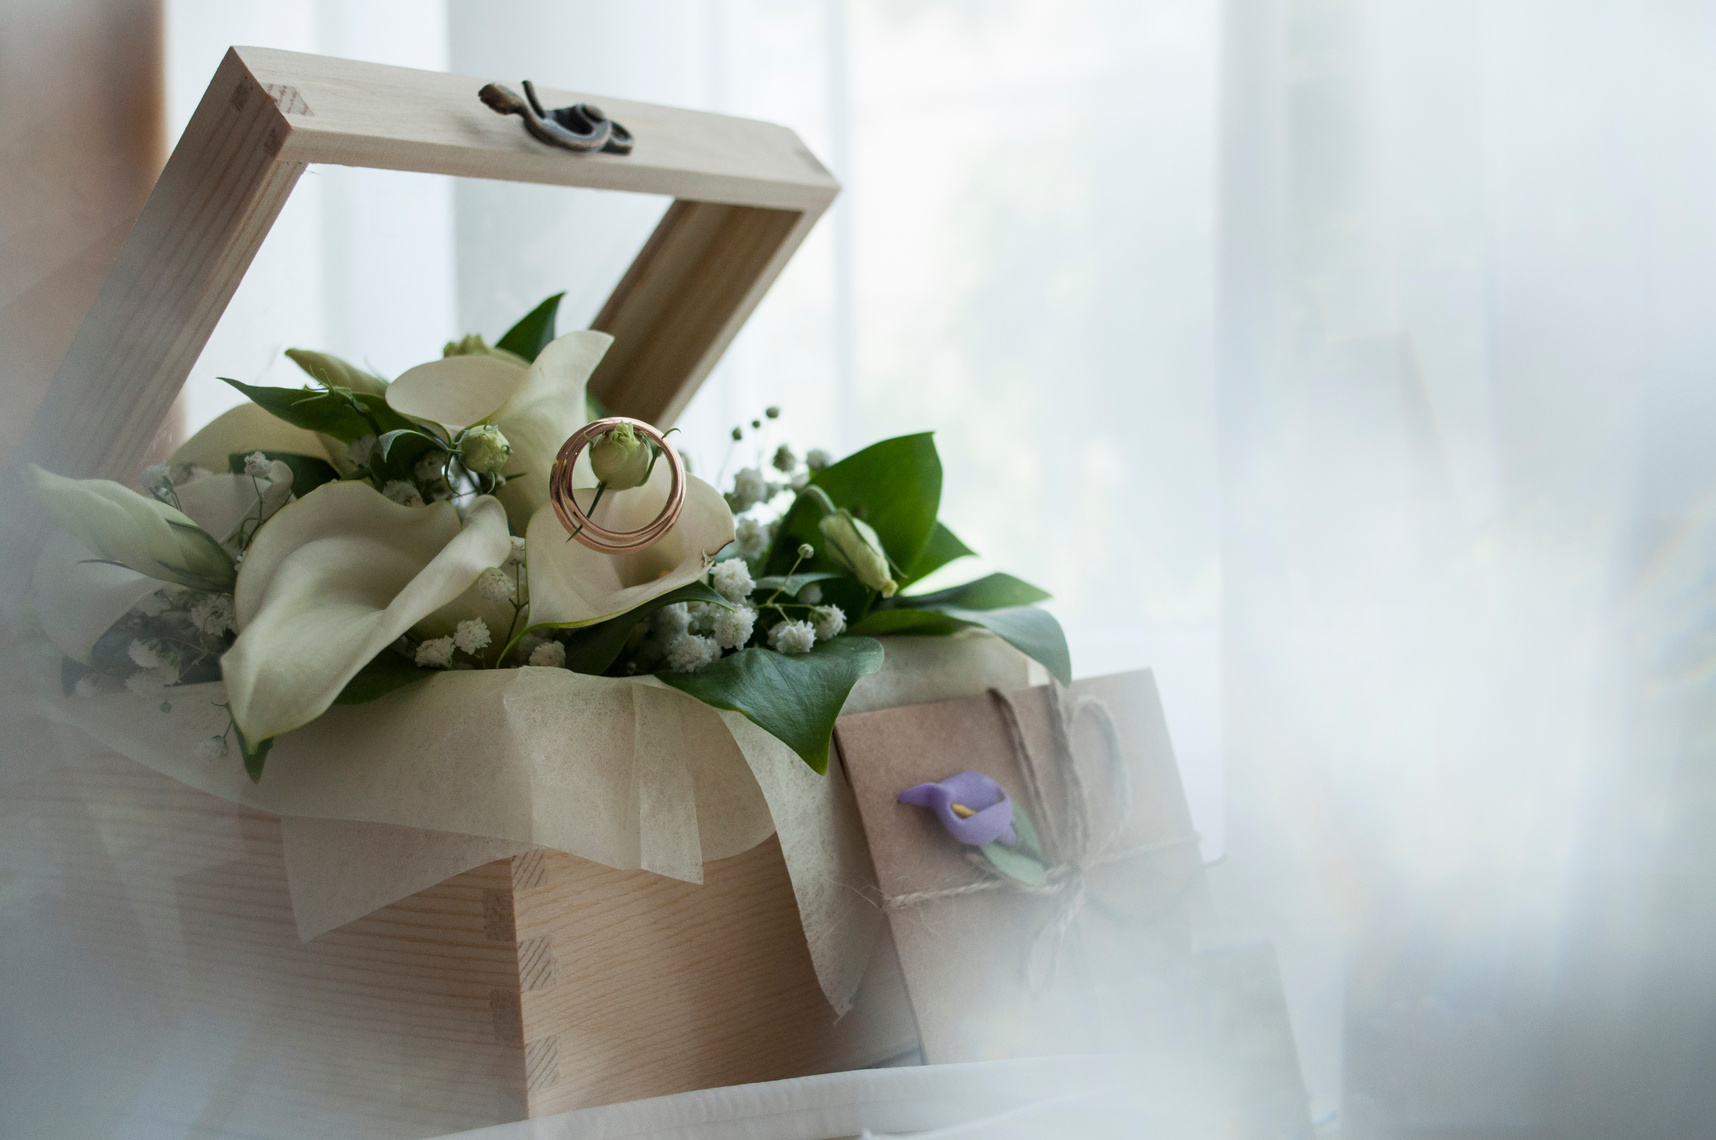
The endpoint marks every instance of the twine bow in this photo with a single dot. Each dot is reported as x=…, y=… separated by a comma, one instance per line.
x=1069, y=838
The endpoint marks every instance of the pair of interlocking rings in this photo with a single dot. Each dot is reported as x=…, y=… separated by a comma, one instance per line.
x=577, y=521
x=580, y=127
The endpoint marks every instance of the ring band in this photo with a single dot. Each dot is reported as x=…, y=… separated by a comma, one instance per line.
x=579, y=525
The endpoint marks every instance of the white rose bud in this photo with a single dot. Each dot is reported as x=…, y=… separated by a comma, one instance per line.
x=485, y=450
x=621, y=458
x=855, y=547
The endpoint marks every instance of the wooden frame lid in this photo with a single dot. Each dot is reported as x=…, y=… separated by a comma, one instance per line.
x=746, y=194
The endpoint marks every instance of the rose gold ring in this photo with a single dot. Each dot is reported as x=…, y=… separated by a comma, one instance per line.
x=573, y=517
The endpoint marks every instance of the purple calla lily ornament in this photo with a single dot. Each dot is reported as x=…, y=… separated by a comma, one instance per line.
x=973, y=808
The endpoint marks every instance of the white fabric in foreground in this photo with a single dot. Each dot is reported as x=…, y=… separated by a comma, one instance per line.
x=1088, y=1097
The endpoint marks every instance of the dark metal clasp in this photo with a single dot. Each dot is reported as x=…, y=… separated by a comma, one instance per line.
x=580, y=127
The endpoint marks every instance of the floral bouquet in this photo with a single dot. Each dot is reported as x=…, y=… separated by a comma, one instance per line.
x=335, y=544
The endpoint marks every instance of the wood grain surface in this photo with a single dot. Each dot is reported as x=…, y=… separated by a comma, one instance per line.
x=748, y=193
x=531, y=985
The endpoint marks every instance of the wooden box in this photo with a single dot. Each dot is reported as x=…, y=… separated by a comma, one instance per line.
x=530, y=985
x=523, y=987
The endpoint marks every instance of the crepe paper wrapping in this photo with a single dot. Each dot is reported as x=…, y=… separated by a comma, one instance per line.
x=989, y=813
x=382, y=800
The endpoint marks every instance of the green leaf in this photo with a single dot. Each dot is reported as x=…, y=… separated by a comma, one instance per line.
x=941, y=549
x=387, y=672
x=594, y=648
x=917, y=623
x=532, y=334
x=331, y=371
x=398, y=460
x=1032, y=631
x=384, y=443
x=344, y=417
x=997, y=591
x=895, y=486
x=1024, y=860
x=793, y=697
x=791, y=584
x=308, y=472
x=254, y=754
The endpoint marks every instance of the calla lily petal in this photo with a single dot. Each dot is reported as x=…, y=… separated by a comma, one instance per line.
x=140, y=532
x=537, y=419
x=456, y=391
x=988, y=813
x=572, y=585
x=78, y=598
x=334, y=579
x=248, y=428
x=220, y=504
x=500, y=619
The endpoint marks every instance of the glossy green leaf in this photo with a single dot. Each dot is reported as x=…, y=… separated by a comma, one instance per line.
x=1024, y=860
x=308, y=472
x=1032, y=631
x=388, y=672
x=399, y=459
x=331, y=371
x=942, y=548
x=594, y=648
x=997, y=591
x=790, y=584
x=346, y=418
x=531, y=334
x=793, y=697
x=894, y=486
x=917, y=623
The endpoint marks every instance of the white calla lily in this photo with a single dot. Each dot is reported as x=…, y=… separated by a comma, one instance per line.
x=78, y=597
x=456, y=391
x=334, y=579
x=536, y=407
x=572, y=585
x=248, y=428
x=223, y=504
x=79, y=594
x=122, y=526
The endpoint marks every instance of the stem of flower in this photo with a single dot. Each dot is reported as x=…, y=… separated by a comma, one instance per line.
x=591, y=513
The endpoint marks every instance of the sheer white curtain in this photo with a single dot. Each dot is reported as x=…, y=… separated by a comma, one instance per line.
x=1467, y=270
x=1344, y=360
x=1022, y=261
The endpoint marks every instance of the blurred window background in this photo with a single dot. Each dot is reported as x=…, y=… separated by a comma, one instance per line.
x=1347, y=362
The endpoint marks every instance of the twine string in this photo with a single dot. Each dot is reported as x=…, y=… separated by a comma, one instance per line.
x=1075, y=855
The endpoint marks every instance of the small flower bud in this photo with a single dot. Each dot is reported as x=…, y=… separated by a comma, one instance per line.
x=806, y=550
x=484, y=450
x=475, y=345
x=784, y=459
x=816, y=459
x=621, y=458
x=738, y=434
x=773, y=411
x=855, y=547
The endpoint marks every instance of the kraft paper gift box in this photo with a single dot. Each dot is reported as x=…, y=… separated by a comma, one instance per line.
x=1101, y=959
